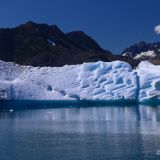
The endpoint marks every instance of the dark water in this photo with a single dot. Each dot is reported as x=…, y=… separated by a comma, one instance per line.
x=93, y=133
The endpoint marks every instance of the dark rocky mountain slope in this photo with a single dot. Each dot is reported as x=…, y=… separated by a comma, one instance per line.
x=42, y=45
x=142, y=51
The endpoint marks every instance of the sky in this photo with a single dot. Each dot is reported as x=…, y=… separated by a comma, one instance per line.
x=114, y=24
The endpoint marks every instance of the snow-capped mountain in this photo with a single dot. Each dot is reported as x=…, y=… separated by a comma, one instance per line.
x=143, y=51
x=89, y=81
x=138, y=48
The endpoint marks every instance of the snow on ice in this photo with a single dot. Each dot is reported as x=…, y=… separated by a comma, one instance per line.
x=89, y=81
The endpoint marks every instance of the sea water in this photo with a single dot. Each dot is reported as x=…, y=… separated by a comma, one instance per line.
x=77, y=132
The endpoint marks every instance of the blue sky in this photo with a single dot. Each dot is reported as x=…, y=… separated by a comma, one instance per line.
x=114, y=24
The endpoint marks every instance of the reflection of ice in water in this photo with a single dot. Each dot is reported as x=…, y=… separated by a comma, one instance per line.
x=91, y=114
x=149, y=120
x=143, y=119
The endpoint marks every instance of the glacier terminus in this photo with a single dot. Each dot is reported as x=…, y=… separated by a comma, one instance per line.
x=88, y=81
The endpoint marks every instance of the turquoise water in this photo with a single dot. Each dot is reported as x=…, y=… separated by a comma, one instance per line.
x=47, y=131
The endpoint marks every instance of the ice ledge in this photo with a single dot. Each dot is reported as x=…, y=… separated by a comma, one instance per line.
x=102, y=81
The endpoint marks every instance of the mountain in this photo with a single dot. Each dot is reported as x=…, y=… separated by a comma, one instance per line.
x=43, y=45
x=142, y=47
x=143, y=51
x=83, y=41
x=46, y=45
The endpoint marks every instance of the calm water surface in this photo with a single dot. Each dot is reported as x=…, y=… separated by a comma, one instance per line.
x=93, y=133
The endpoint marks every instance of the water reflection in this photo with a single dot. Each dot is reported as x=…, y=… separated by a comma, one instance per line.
x=114, y=119
x=129, y=132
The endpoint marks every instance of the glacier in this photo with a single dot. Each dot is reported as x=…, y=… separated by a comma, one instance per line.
x=88, y=81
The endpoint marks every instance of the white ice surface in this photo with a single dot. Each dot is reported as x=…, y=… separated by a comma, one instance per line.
x=89, y=81
x=149, y=81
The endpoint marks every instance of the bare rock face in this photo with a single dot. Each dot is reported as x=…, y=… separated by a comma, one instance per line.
x=42, y=45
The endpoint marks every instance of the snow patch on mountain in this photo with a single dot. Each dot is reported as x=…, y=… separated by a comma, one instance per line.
x=127, y=54
x=51, y=42
x=148, y=54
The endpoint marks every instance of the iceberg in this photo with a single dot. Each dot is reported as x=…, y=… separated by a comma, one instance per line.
x=88, y=81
